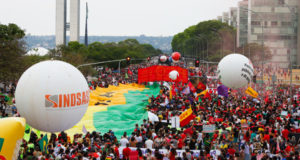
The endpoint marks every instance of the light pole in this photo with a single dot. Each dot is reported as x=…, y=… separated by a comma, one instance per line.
x=89, y=64
x=203, y=36
x=220, y=35
x=202, y=46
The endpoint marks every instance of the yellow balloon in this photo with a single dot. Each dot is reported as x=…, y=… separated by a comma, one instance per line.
x=11, y=137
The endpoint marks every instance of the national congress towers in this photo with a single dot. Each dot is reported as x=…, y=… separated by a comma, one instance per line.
x=61, y=21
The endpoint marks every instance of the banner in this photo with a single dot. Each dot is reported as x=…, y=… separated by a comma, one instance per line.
x=161, y=73
x=251, y=92
x=209, y=128
x=115, y=107
x=186, y=117
x=294, y=136
x=175, y=122
x=196, y=153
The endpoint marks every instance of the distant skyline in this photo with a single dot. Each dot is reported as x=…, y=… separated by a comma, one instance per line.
x=117, y=17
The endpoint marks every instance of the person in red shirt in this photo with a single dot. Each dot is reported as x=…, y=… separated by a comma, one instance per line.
x=117, y=151
x=126, y=152
x=172, y=155
x=285, y=133
x=266, y=137
x=247, y=136
x=231, y=151
x=180, y=142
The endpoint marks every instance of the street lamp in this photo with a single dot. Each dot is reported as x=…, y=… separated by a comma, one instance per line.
x=203, y=36
x=220, y=35
x=201, y=46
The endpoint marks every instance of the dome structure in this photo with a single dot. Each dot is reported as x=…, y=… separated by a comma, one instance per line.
x=41, y=51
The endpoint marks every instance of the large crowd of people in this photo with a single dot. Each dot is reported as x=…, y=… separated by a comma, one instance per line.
x=244, y=127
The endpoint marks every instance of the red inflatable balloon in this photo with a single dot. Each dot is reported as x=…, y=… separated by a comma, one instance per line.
x=176, y=56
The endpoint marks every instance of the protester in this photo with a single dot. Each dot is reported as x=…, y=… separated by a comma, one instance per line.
x=245, y=127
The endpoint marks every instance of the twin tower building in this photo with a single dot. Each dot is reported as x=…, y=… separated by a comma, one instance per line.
x=61, y=21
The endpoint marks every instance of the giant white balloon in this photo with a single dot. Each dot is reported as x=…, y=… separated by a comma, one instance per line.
x=235, y=71
x=173, y=75
x=52, y=96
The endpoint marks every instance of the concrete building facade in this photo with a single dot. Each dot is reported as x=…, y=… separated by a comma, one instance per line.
x=74, y=20
x=273, y=23
x=61, y=18
x=298, y=36
x=233, y=17
x=61, y=21
x=242, y=23
x=225, y=17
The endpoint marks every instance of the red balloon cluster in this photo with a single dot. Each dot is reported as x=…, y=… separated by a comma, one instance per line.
x=176, y=56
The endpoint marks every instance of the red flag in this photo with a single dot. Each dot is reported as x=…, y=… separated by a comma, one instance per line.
x=201, y=86
x=192, y=88
x=267, y=99
x=207, y=95
x=186, y=117
x=129, y=71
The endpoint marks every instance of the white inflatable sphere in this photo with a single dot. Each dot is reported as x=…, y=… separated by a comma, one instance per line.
x=52, y=96
x=163, y=59
x=235, y=71
x=173, y=75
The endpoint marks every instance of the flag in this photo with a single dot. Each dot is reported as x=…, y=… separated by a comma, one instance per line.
x=27, y=133
x=201, y=86
x=84, y=130
x=251, y=92
x=126, y=76
x=130, y=72
x=186, y=117
x=202, y=93
x=192, y=88
x=223, y=91
x=44, y=144
x=38, y=133
x=207, y=95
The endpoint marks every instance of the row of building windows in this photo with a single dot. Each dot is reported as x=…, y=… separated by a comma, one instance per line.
x=273, y=23
x=277, y=37
x=268, y=2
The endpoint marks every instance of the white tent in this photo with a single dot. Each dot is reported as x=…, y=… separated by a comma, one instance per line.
x=40, y=51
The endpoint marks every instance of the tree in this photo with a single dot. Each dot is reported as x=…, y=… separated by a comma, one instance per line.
x=254, y=52
x=193, y=41
x=75, y=54
x=12, y=48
